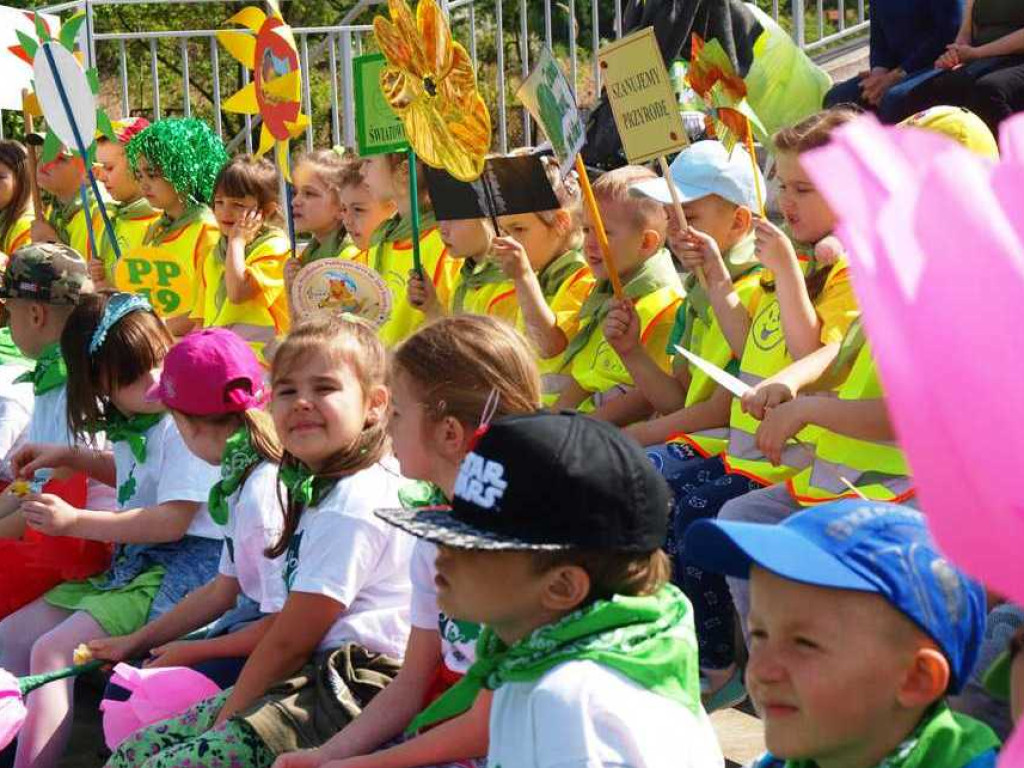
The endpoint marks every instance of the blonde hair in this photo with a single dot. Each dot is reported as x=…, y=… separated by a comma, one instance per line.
x=351, y=342
x=257, y=423
x=614, y=187
x=331, y=168
x=815, y=131
x=570, y=200
x=457, y=362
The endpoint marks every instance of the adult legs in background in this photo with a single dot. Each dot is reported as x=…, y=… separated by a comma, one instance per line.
x=998, y=94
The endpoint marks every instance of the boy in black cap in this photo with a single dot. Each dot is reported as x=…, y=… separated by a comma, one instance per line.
x=552, y=542
x=859, y=627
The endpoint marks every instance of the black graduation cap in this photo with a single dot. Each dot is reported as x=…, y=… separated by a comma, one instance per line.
x=508, y=186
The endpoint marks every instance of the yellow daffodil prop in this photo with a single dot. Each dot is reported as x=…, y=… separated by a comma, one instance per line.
x=430, y=84
x=268, y=48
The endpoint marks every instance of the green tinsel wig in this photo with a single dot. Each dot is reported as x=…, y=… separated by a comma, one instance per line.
x=187, y=152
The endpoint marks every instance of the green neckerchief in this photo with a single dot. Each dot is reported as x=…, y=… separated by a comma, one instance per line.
x=394, y=229
x=740, y=261
x=654, y=274
x=136, y=209
x=474, y=275
x=326, y=249
x=420, y=493
x=944, y=739
x=238, y=458
x=303, y=486
x=61, y=215
x=166, y=226
x=648, y=639
x=10, y=354
x=558, y=271
x=122, y=429
x=50, y=372
x=221, y=250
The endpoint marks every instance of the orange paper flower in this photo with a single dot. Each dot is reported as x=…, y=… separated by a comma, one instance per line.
x=430, y=84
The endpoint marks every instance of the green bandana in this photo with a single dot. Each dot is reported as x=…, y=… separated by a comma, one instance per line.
x=654, y=274
x=120, y=429
x=165, y=226
x=944, y=739
x=136, y=209
x=238, y=458
x=420, y=494
x=394, y=229
x=10, y=354
x=326, y=249
x=221, y=251
x=740, y=261
x=558, y=271
x=648, y=639
x=473, y=276
x=303, y=486
x=61, y=215
x=50, y=372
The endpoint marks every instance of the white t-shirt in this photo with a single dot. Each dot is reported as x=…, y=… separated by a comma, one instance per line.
x=458, y=638
x=50, y=425
x=171, y=472
x=584, y=715
x=254, y=523
x=15, y=407
x=343, y=551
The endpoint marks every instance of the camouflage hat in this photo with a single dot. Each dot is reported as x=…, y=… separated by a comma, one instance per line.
x=52, y=273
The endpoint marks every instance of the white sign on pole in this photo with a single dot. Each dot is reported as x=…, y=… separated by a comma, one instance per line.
x=16, y=73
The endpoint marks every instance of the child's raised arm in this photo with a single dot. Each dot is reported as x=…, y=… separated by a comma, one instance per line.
x=238, y=280
x=539, y=319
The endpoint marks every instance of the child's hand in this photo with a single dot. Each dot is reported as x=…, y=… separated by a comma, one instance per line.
x=780, y=424
x=98, y=274
x=43, y=232
x=35, y=456
x=423, y=295
x=622, y=327
x=48, y=514
x=765, y=396
x=114, y=649
x=181, y=653
x=695, y=249
x=304, y=758
x=511, y=257
x=247, y=226
x=771, y=245
x=828, y=251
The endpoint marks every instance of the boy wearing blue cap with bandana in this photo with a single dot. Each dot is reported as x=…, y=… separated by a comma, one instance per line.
x=859, y=628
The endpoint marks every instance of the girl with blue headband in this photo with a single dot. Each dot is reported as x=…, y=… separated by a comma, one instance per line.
x=165, y=544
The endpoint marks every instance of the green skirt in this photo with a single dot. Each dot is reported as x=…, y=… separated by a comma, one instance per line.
x=119, y=611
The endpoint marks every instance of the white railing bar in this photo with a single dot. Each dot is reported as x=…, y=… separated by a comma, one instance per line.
x=123, y=56
x=184, y=76
x=155, y=74
x=307, y=97
x=335, y=105
x=215, y=68
x=248, y=118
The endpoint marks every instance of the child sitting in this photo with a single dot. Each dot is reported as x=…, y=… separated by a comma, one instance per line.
x=636, y=228
x=859, y=630
x=240, y=284
x=391, y=250
x=212, y=384
x=362, y=211
x=177, y=162
x=168, y=546
x=41, y=286
x=317, y=209
x=336, y=640
x=132, y=215
x=67, y=222
x=16, y=213
x=718, y=194
x=552, y=543
x=446, y=380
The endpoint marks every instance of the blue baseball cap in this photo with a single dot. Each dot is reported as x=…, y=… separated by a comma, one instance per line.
x=865, y=546
x=706, y=168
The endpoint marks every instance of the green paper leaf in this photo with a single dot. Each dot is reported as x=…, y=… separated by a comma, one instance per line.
x=94, y=81
x=41, y=31
x=51, y=148
x=105, y=126
x=30, y=45
x=69, y=31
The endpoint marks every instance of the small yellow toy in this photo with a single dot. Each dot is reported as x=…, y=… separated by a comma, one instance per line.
x=82, y=655
x=20, y=487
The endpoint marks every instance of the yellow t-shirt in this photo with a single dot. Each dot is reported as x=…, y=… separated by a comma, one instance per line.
x=165, y=267
x=131, y=222
x=72, y=224
x=261, y=320
x=18, y=234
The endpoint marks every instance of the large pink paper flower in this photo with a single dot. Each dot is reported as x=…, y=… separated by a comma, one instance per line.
x=12, y=708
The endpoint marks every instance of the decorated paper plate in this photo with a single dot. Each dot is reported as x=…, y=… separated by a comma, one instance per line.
x=340, y=286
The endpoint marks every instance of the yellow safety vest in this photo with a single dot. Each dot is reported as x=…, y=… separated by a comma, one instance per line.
x=165, y=267
x=708, y=341
x=496, y=298
x=878, y=469
x=18, y=234
x=393, y=261
x=765, y=354
x=131, y=222
x=565, y=304
x=597, y=367
x=263, y=319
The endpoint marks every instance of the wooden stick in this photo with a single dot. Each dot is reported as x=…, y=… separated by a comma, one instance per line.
x=749, y=138
x=37, y=199
x=595, y=218
x=677, y=206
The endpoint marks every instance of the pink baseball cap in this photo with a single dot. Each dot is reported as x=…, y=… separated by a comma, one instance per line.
x=210, y=372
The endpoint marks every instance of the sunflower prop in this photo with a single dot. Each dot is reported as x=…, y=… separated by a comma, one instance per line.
x=430, y=84
x=713, y=77
x=66, y=96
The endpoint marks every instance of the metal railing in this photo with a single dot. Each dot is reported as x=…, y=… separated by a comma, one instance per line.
x=328, y=51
